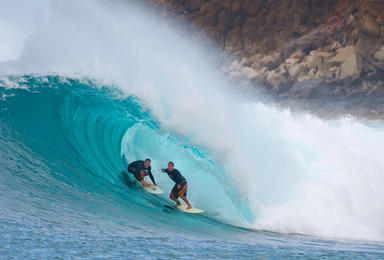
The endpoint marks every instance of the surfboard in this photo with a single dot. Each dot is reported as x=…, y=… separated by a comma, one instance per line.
x=153, y=189
x=190, y=211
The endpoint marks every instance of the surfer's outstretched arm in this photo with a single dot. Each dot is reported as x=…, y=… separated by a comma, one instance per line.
x=151, y=176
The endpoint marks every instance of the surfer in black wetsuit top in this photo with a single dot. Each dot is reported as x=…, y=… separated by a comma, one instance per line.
x=139, y=169
x=180, y=188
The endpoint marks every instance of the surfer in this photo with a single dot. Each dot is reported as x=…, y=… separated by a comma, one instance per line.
x=180, y=188
x=139, y=169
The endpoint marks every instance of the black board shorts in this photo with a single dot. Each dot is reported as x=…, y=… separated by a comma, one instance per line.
x=135, y=173
x=176, y=193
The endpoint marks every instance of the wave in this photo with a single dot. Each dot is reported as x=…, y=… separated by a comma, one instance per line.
x=86, y=106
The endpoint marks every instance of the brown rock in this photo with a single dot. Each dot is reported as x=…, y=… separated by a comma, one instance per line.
x=233, y=40
x=304, y=88
x=315, y=39
x=270, y=61
x=369, y=25
x=350, y=69
x=193, y=5
x=249, y=73
x=225, y=20
x=325, y=74
x=296, y=70
x=379, y=65
x=299, y=55
x=314, y=61
x=262, y=75
x=252, y=7
x=276, y=80
x=343, y=54
x=379, y=56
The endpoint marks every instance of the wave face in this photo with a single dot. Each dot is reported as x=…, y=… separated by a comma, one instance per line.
x=76, y=108
x=77, y=125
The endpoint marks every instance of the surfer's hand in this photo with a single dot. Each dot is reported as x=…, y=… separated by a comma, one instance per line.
x=178, y=186
x=163, y=170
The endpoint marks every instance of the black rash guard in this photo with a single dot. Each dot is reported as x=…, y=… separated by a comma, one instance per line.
x=136, y=167
x=176, y=176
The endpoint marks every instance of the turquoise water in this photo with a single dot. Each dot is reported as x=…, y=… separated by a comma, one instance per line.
x=64, y=147
x=88, y=86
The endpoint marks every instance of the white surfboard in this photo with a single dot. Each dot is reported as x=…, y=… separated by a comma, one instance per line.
x=191, y=211
x=153, y=189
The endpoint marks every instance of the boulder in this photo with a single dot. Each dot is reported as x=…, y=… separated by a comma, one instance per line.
x=379, y=65
x=369, y=25
x=270, y=61
x=313, y=60
x=304, y=88
x=299, y=55
x=350, y=69
x=255, y=61
x=317, y=58
x=262, y=75
x=379, y=56
x=296, y=70
x=325, y=74
x=276, y=80
x=282, y=69
x=249, y=72
x=307, y=76
x=343, y=54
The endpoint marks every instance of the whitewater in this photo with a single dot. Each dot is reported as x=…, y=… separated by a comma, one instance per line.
x=86, y=87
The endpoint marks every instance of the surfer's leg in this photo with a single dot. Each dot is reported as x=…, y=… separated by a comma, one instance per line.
x=135, y=173
x=183, y=196
x=173, y=196
x=186, y=201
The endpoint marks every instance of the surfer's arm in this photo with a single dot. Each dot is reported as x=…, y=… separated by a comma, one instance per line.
x=151, y=176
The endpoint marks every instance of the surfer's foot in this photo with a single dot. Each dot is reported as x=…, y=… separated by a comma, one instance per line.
x=178, y=204
x=189, y=207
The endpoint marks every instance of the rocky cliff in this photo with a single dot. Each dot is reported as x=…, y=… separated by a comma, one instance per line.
x=309, y=50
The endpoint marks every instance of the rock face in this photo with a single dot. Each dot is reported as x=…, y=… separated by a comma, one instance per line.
x=380, y=54
x=288, y=45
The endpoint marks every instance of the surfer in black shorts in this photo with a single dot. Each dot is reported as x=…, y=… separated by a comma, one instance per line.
x=180, y=188
x=139, y=169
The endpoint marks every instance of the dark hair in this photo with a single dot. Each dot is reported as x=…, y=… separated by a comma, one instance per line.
x=147, y=159
x=171, y=163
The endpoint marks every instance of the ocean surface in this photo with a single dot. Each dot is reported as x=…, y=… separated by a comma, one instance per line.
x=93, y=87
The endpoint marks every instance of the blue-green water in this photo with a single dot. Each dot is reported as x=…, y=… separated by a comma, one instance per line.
x=64, y=147
x=88, y=86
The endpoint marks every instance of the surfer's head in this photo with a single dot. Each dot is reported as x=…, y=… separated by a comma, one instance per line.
x=170, y=166
x=147, y=163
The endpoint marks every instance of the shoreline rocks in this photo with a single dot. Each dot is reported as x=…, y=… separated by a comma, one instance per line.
x=294, y=49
